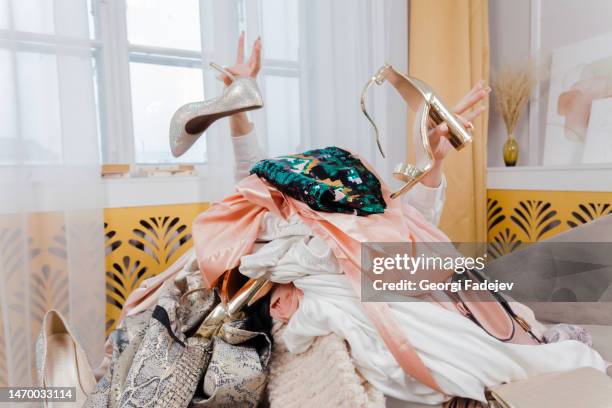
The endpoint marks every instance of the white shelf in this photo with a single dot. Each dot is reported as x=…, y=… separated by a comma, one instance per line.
x=584, y=177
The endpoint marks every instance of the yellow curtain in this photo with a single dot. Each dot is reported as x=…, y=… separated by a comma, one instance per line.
x=449, y=49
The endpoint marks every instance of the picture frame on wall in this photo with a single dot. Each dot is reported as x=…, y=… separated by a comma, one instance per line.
x=578, y=127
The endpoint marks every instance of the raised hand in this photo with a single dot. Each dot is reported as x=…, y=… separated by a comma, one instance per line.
x=241, y=68
x=239, y=122
x=438, y=136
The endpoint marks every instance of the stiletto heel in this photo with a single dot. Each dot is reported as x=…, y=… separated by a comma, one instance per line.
x=192, y=119
x=222, y=70
x=249, y=293
x=413, y=91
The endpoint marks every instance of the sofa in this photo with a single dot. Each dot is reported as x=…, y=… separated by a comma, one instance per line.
x=594, y=316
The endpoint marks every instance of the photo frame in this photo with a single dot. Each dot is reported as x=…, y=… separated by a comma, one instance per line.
x=581, y=74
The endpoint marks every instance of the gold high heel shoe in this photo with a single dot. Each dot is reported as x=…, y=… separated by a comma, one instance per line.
x=61, y=362
x=242, y=295
x=191, y=120
x=413, y=91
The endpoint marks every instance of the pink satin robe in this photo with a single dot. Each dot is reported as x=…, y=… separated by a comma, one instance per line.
x=228, y=230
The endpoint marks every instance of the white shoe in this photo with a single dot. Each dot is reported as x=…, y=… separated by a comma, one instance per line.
x=61, y=362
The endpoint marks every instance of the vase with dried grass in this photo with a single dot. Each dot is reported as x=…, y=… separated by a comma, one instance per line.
x=512, y=88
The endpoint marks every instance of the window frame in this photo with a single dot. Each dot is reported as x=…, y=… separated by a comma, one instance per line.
x=47, y=44
x=113, y=78
x=113, y=54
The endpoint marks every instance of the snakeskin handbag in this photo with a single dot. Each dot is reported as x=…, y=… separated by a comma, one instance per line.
x=159, y=362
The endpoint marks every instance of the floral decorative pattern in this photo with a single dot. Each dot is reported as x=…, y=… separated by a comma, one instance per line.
x=121, y=280
x=503, y=243
x=141, y=242
x=535, y=218
x=515, y=217
x=494, y=214
x=589, y=212
x=160, y=237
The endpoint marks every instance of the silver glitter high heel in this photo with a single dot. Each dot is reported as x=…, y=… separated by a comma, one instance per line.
x=191, y=120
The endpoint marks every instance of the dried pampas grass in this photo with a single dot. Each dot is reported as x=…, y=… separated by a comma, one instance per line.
x=512, y=88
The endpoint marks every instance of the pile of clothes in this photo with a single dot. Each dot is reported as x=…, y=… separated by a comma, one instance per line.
x=298, y=221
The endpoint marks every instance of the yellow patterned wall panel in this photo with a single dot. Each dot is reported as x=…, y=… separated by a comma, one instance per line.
x=517, y=216
x=34, y=263
x=142, y=242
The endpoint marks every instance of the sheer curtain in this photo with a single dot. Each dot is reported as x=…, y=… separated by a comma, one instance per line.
x=317, y=54
x=343, y=43
x=51, y=226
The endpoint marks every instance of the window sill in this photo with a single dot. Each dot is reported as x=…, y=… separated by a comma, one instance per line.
x=157, y=190
x=551, y=178
x=119, y=170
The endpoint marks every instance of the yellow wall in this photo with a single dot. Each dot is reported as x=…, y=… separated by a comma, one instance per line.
x=142, y=242
x=515, y=216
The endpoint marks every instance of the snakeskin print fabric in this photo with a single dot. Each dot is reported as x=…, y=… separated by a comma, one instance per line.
x=158, y=363
x=126, y=341
x=234, y=376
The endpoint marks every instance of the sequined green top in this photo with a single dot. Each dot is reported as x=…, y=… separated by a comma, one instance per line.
x=329, y=179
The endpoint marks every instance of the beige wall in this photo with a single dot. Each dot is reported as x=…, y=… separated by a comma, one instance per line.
x=508, y=43
x=562, y=22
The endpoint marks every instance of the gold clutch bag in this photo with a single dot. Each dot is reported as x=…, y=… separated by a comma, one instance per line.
x=584, y=387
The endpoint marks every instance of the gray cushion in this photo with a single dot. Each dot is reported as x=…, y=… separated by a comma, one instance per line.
x=602, y=339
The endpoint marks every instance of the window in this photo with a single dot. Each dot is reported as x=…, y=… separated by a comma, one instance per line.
x=165, y=73
x=166, y=66
x=42, y=44
x=151, y=63
x=281, y=76
x=149, y=57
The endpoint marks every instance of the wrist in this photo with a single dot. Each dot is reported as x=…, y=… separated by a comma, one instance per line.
x=433, y=179
x=240, y=124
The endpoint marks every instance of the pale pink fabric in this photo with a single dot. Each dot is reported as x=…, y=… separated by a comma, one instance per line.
x=142, y=298
x=234, y=223
x=227, y=231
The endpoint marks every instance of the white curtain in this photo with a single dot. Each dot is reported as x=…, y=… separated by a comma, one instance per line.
x=344, y=43
x=340, y=44
x=51, y=195
x=51, y=199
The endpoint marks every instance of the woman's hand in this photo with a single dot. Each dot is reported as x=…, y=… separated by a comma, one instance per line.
x=239, y=123
x=438, y=136
x=242, y=69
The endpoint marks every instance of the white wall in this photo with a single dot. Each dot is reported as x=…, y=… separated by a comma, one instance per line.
x=509, y=38
x=562, y=22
